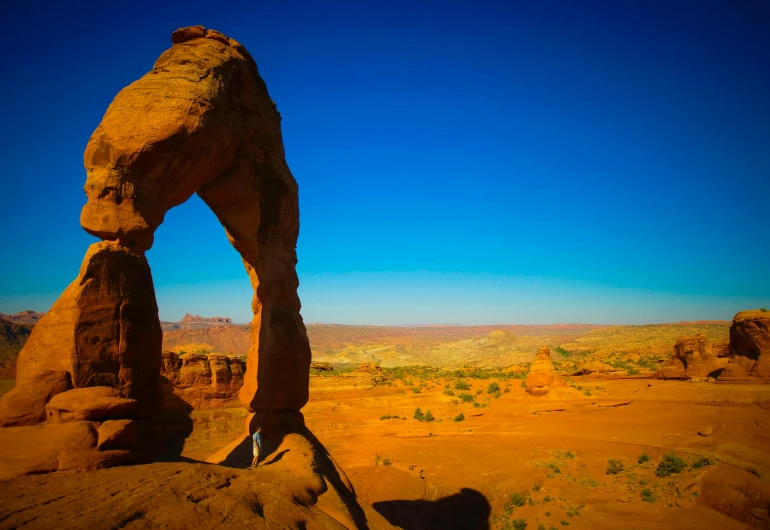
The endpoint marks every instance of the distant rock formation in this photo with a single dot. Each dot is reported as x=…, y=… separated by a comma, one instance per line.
x=542, y=376
x=23, y=317
x=749, y=347
x=197, y=318
x=321, y=367
x=226, y=339
x=202, y=381
x=694, y=357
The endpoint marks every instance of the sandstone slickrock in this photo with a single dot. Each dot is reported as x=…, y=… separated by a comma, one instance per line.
x=204, y=380
x=94, y=403
x=201, y=121
x=25, y=404
x=694, y=357
x=749, y=347
x=542, y=375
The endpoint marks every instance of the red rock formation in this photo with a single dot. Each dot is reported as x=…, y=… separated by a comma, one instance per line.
x=542, y=375
x=694, y=357
x=23, y=317
x=203, y=381
x=201, y=122
x=229, y=340
x=749, y=347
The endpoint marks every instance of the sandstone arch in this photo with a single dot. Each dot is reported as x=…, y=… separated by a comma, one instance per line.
x=201, y=121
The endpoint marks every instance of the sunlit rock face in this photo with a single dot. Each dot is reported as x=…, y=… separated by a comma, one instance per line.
x=749, y=347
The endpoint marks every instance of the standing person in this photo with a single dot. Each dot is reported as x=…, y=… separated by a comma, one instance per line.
x=256, y=439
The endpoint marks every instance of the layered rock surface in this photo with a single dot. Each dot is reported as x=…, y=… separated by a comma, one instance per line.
x=542, y=376
x=202, y=381
x=749, y=347
x=695, y=357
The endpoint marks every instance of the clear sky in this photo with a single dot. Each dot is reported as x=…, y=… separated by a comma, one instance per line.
x=479, y=162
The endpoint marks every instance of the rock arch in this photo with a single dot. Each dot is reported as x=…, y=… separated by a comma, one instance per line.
x=201, y=121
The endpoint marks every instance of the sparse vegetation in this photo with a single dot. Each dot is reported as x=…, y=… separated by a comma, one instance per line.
x=462, y=385
x=459, y=417
x=670, y=464
x=644, y=458
x=517, y=499
x=701, y=462
x=493, y=388
x=418, y=415
x=536, y=488
x=386, y=462
x=614, y=467
x=377, y=460
x=466, y=398
x=416, y=390
x=449, y=392
x=647, y=495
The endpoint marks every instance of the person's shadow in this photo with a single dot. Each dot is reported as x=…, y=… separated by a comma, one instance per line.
x=466, y=510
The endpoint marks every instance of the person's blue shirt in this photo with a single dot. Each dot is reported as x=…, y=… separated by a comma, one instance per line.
x=257, y=440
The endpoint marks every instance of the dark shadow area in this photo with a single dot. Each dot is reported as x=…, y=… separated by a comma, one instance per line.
x=170, y=428
x=467, y=510
x=716, y=373
x=241, y=456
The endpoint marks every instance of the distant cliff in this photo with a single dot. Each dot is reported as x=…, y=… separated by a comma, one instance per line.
x=12, y=338
x=214, y=320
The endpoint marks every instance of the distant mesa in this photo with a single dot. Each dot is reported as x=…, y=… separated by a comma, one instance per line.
x=215, y=320
x=695, y=357
x=23, y=317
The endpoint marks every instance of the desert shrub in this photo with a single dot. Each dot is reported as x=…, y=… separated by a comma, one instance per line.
x=449, y=392
x=479, y=392
x=428, y=416
x=466, y=398
x=763, y=309
x=462, y=385
x=385, y=417
x=416, y=390
x=517, y=499
x=377, y=460
x=519, y=524
x=670, y=464
x=643, y=458
x=476, y=404
x=496, y=395
x=493, y=387
x=587, y=392
x=536, y=488
x=588, y=482
x=547, y=498
x=564, y=523
x=386, y=462
x=507, y=389
x=523, y=384
x=647, y=495
x=540, y=527
x=459, y=417
x=418, y=415
x=701, y=462
x=614, y=467
x=563, y=454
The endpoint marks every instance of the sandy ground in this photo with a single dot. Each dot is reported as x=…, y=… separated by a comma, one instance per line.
x=513, y=445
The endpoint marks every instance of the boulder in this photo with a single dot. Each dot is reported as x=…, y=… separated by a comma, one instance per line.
x=36, y=449
x=96, y=403
x=749, y=348
x=693, y=358
x=321, y=367
x=25, y=404
x=369, y=368
x=118, y=434
x=542, y=375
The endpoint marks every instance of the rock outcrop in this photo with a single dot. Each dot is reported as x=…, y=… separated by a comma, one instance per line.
x=12, y=338
x=226, y=339
x=201, y=121
x=694, y=357
x=542, y=376
x=749, y=347
x=203, y=381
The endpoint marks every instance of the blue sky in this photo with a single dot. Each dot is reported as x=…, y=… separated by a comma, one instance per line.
x=480, y=162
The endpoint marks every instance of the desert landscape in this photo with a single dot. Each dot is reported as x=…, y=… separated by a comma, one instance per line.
x=604, y=356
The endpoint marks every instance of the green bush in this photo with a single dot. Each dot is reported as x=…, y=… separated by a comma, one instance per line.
x=386, y=462
x=644, y=458
x=462, y=385
x=496, y=394
x=670, y=464
x=701, y=462
x=428, y=416
x=564, y=523
x=449, y=392
x=518, y=500
x=493, y=387
x=466, y=398
x=763, y=309
x=416, y=390
x=614, y=467
x=418, y=415
x=459, y=417
x=523, y=384
x=385, y=417
x=377, y=460
x=647, y=495
x=536, y=488
x=519, y=524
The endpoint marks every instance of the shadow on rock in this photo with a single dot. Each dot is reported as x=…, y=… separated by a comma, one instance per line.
x=466, y=510
x=171, y=427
